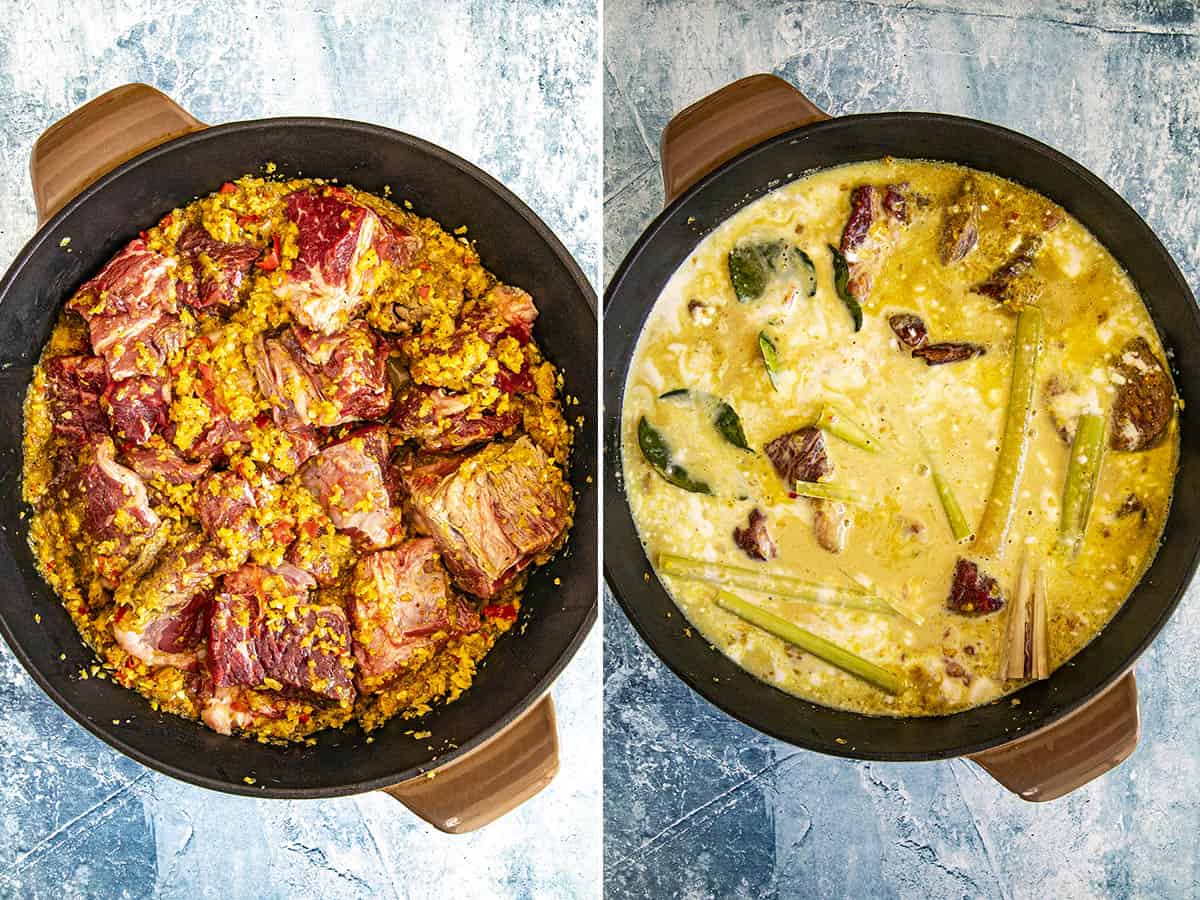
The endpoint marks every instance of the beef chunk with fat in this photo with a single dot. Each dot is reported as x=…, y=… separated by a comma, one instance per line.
x=162, y=609
x=137, y=408
x=117, y=515
x=475, y=353
x=218, y=269
x=130, y=309
x=225, y=505
x=401, y=603
x=491, y=512
x=266, y=631
x=1013, y=282
x=310, y=378
x=441, y=421
x=960, y=229
x=74, y=385
x=339, y=248
x=909, y=329
x=159, y=461
x=877, y=216
x=347, y=478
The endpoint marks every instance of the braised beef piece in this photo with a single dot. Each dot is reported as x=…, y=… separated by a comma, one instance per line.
x=800, y=455
x=219, y=269
x=441, y=421
x=895, y=203
x=301, y=644
x=491, y=512
x=863, y=247
x=467, y=358
x=865, y=206
x=1145, y=398
x=960, y=231
x=136, y=408
x=972, y=592
x=830, y=524
x=948, y=352
x=131, y=311
x=350, y=371
x=401, y=602
x=347, y=478
x=909, y=329
x=1010, y=284
x=754, y=538
x=74, y=385
x=1133, y=506
x=332, y=271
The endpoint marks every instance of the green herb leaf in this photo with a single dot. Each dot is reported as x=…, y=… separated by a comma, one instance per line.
x=770, y=357
x=724, y=417
x=658, y=453
x=752, y=265
x=807, y=271
x=729, y=424
x=841, y=283
x=749, y=271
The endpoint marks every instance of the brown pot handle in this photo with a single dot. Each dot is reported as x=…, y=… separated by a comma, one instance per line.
x=725, y=123
x=99, y=136
x=1056, y=760
x=491, y=780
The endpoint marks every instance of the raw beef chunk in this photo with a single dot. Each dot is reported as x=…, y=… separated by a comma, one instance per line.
x=491, y=512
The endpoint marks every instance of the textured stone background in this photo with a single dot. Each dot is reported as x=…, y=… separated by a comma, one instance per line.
x=513, y=88
x=697, y=805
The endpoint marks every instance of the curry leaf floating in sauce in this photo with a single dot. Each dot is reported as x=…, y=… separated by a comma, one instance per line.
x=841, y=283
x=770, y=358
x=753, y=264
x=658, y=453
x=724, y=417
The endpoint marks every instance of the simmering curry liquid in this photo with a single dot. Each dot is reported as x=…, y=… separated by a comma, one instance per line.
x=698, y=336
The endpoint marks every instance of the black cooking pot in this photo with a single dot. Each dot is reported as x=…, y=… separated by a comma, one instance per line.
x=477, y=778
x=727, y=151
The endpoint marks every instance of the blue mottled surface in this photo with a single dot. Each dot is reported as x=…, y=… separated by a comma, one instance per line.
x=514, y=89
x=696, y=804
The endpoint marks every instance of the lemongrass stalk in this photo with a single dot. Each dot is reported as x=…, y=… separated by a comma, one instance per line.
x=1079, y=490
x=791, y=587
x=1026, y=652
x=818, y=646
x=834, y=421
x=1002, y=501
x=954, y=514
x=823, y=490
